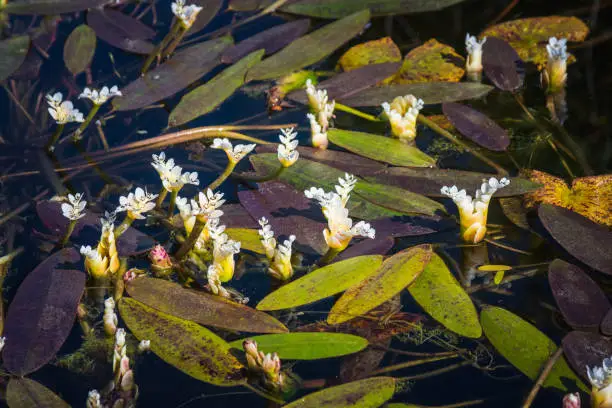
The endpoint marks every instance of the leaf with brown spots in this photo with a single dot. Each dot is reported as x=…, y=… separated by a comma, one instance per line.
x=432, y=61
x=370, y=52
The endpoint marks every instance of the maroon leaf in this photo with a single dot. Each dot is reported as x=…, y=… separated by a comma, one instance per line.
x=46, y=7
x=236, y=216
x=42, y=313
x=581, y=301
x=606, y=324
x=584, y=349
x=121, y=30
x=210, y=8
x=377, y=246
x=587, y=241
x=476, y=126
x=272, y=40
x=501, y=64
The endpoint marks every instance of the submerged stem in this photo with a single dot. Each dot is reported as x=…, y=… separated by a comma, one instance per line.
x=161, y=197
x=54, y=138
x=173, y=196
x=356, y=112
x=542, y=377
x=92, y=113
x=68, y=233
x=328, y=257
x=121, y=228
x=191, y=240
x=412, y=363
x=156, y=52
x=223, y=176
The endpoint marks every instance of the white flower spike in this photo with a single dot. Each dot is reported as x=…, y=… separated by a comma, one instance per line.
x=186, y=14
x=402, y=115
x=74, y=209
x=555, y=73
x=63, y=112
x=172, y=176
x=208, y=205
x=281, y=267
x=215, y=283
x=137, y=203
x=234, y=153
x=287, y=153
x=473, y=62
x=319, y=137
x=318, y=102
x=601, y=382
x=267, y=237
x=102, y=96
x=224, y=250
x=473, y=212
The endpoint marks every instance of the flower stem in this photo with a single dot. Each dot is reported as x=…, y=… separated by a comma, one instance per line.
x=177, y=40
x=161, y=197
x=356, y=112
x=92, y=113
x=173, y=196
x=191, y=240
x=121, y=228
x=223, y=176
x=56, y=135
x=328, y=257
x=68, y=233
x=155, y=53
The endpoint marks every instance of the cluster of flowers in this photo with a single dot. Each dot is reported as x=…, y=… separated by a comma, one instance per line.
x=64, y=111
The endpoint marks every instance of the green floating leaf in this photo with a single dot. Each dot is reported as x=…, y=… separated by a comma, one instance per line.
x=307, y=346
x=311, y=48
x=371, y=52
x=381, y=148
x=186, y=67
x=432, y=61
x=397, y=199
x=431, y=93
x=523, y=345
x=249, y=239
x=189, y=347
x=201, y=308
x=26, y=393
x=13, y=51
x=395, y=274
x=79, y=49
x=398, y=405
x=50, y=7
x=321, y=283
x=207, y=97
x=368, y=393
x=437, y=291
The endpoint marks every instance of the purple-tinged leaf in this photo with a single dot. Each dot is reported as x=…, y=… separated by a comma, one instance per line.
x=272, y=40
x=210, y=8
x=121, y=30
x=404, y=226
x=42, y=313
x=584, y=349
x=51, y=7
x=587, y=241
x=377, y=246
x=13, y=52
x=581, y=302
x=501, y=64
x=236, y=216
x=476, y=126
x=606, y=324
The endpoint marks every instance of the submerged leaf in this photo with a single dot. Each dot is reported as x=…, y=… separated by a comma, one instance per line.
x=501, y=64
x=341, y=8
x=121, y=31
x=370, y=52
x=26, y=393
x=477, y=126
x=584, y=350
x=307, y=346
x=189, y=347
x=210, y=8
x=13, y=51
x=50, y=7
x=79, y=49
x=432, y=61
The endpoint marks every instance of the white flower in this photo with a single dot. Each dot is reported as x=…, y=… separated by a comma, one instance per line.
x=93, y=400
x=473, y=211
x=2, y=342
x=347, y=184
x=186, y=14
x=207, y=205
x=90, y=253
x=137, y=203
x=287, y=155
x=215, y=283
x=172, y=176
x=224, y=250
x=318, y=101
x=100, y=97
x=234, y=153
x=110, y=317
x=474, y=50
x=319, y=137
x=63, y=112
x=74, y=208
x=144, y=345
x=601, y=381
x=95, y=263
x=556, y=67
x=281, y=267
x=402, y=115
x=267, y=237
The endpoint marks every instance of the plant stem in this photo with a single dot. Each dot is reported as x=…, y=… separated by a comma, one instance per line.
x=161, y=197
x=177, y=40
x=121, y=228
x=198, y=227
x=543, y=375
x=438, y=371
x=155, y=53
x=328, y=257
x=356, y=112
x=223, y=176
x=173, y=196
x=408, y=364
x=94, y=110
x=68, y=233
x=56, y=135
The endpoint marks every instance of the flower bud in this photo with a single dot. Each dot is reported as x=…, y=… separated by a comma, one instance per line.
x=571, y=400
x=144, y=345
x=160, y=261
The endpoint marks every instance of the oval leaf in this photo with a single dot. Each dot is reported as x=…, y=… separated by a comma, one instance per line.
x=432, y=61
x=477, y=126
x=51, y=7
x=584, y=350
x=341, y=8
x=202, y=308
x=307, y=346
x=311, y=48
x=380, y=148
x=397, y=199
x=79, y=49
x=395, y=274
x=42, y=313
x=210, y=8
x=26, y=393
x=189, y=347
x=13, y=51
x=523, y=345
x=606, y=324
x=437, y=291
x=249, y=239
x=121, y=30
x=501, y=64
x=322, y=283
x=370, y=52
x=368, y=393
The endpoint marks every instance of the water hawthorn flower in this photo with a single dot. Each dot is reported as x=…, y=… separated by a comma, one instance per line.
x=172, y=176
x=601, y=381
x=268, y=366
x=124, y=376
x=214, y=281
x=206, y=209
x=224, y=250
x=104, y=259
x=63, y=112
x=74, y=209
x=287, y=155
x=185, y=14
x=340, y=229
x=234, y=153
x=555, y=73
x=93, y=400
x=473, y=63
x=278, y=255
x=571, y=400
x=110, y=317
x=319, y=105
x=473, y=212
x=137, y=203
x=318, y=135
x=402, y=114
x=102, y=96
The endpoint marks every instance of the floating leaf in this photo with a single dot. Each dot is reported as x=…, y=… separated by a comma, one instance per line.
x=588, y=196
x=477, y=126
x=370, y=52
x=523, y=345
x=606, y=324
x=368, y=393
x=513, y=209
x=213, y=93
x=581, y=302
x=50, y=7
x=189, y=347
x=322, y=283
x=202, y=308
x=397, y=199
x=528, y=36
x=79, y=49
x=431, y=93
x=249, y=239
x=341, y=8
x=42, y=313
x=437, y=291
x=432, y=61
x=26, y=393
x=210, y=8
x=13, y=51
x=589, y=242
x=395, y=274
x=307, y=346
x=494, y=268
x=185, y=67
x=381, y=148
x=376, y=246
x=501, y=64
x=583, y=349
x=311, y=48
x=121, y=31
x=271, y=40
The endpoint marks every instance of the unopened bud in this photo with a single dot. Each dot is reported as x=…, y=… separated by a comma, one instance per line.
x=144, y=345
x=571, y=401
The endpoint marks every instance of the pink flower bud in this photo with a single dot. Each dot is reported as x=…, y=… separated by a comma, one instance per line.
x=159, y=257
x=130, y=275
x=571, y=401
x=250, y=347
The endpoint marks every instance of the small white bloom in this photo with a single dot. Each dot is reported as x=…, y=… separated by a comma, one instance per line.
x=347, y=184
x=267, y=237
x=473, y=47
x=556, y=67
x=318, y=101
x=402, y=114
x=287, y=153
x=90, y=253
x=93, y=400
x=144, y=345
x=281, y=267
x=102, y=96
x=110, y=317
x=74, y=208
x=186, y=14
x=215, y=283
x=172, y=176
x=234, y=153
x=224, y=250
x=207, y=206
x=601, y=381
x=137, y=203
x=63, y=112
x=120, y=338
x=319, y=137
x=55, y=100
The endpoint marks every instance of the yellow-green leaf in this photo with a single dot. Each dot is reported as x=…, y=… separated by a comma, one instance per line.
x=494, y=268
x=432, y=61
x=79, y=49
x=26, y=393
x=249, y=239
x=370, y=52
x=437, y=291
x=499, y=277
x=397, y=199
x=189, y=347
x=395, y=274
x=322, y=282
x=526, y=347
